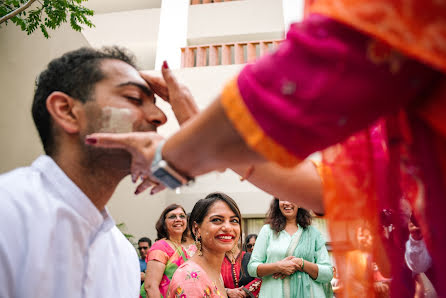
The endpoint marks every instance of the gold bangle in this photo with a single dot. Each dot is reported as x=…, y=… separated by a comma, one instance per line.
x=303, y=264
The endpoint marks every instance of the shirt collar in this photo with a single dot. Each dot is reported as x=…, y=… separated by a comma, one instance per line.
x=68, y=192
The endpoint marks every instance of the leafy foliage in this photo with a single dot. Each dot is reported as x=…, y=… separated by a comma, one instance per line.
x=121, y=226
x=47, y=14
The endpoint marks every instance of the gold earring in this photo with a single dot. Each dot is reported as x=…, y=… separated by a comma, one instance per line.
x=198, y=245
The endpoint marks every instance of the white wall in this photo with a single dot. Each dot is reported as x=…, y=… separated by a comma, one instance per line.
x=235, y=21
x=136, y=30
x=106, y=6
x=22, y=58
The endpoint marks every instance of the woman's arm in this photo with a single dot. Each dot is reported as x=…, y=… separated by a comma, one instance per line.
x=154, y=274
x=301, y=183
x=310, y=268
x=321, y=270
x=257, y=266
x=287, y=266
x=258, y=255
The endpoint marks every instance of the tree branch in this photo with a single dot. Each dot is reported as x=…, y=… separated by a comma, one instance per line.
x=16, y=12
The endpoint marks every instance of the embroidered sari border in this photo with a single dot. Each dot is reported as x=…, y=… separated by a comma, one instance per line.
x=243, y=121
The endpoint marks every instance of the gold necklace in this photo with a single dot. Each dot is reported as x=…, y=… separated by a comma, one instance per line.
x=234, y=274
x=231, y=258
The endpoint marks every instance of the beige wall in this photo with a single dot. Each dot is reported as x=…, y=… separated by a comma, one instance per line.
x=22, y=58
x=101, y=6
x=136, y=30
x=235, y=21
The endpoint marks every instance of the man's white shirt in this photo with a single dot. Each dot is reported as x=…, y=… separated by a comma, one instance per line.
x=55, y=243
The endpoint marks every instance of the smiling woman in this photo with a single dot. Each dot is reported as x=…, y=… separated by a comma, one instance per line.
x=167, y=253
x=215, y=226
x=290, y=255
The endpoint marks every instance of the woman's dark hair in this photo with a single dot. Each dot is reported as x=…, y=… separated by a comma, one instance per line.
x=247, y=240
x=277, y=220
x=202, y=207
x=160, y=226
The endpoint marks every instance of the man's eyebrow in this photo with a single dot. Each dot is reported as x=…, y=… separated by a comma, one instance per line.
x=142, y=87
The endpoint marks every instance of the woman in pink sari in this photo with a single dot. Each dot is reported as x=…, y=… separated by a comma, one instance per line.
x=215, y=226
x=167, y=253
x=361, y=80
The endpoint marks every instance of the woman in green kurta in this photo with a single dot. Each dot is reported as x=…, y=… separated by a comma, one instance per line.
x=290, y=255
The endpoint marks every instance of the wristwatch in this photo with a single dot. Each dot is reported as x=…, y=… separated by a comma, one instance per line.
x=165, y=173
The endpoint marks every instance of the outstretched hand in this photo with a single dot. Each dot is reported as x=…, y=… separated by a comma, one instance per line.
x=176, y=94
x=142, y=147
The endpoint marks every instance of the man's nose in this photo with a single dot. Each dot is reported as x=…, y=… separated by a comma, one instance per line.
x=155, y=116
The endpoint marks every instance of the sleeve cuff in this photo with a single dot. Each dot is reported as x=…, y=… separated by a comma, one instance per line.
x=158, y=255
x=252, y=269
x=325, y=274
x=244, y=122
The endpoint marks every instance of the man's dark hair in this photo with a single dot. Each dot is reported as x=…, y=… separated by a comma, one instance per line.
x=277, y=220
x=145, y=239
x=160, y=226
x=75, y=74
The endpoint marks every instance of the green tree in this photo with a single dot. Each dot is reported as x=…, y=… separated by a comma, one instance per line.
x=45, y=14
x=122, y=227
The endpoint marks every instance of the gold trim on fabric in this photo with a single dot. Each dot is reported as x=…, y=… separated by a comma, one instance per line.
x=249, y=129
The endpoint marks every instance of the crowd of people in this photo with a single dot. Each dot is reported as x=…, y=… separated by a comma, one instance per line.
x=204, y=256
x=360, y=81
x=287, y=259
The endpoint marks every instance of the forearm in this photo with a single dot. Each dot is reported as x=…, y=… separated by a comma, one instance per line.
x=152, y=290
x=300, y=184
x=154, y=275
x=311, y=269
x=267, y=269
x=210, y=142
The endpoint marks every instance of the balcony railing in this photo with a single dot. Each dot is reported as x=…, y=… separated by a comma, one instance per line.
x=225, y=54
x=193, y=2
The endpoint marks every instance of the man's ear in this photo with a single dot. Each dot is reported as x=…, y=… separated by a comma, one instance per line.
x=64, y=110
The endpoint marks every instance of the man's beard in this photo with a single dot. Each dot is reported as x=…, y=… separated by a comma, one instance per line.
x=109, y=161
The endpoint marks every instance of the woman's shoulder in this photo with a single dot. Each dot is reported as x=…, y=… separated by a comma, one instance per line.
x=266, y=229
x=313, y=231
x=315, y=235
x=161, y=244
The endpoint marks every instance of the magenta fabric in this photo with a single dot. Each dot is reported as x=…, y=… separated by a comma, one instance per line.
x=319, y=87
x=322, y=86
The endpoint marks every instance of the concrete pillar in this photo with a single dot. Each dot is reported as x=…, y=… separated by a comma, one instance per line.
x=293, y=11
x=172, y=34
